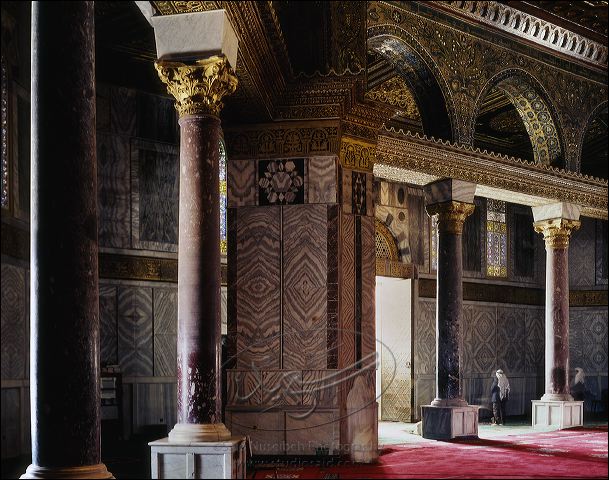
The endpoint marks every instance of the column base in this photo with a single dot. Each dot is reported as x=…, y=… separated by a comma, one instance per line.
x=88, y=471
x=199, y=432
x=222, y=459
x=557, y=415
x=447, y=422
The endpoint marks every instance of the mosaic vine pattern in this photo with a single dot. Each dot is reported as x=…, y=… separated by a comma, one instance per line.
x=496, y=239
x=223, y=192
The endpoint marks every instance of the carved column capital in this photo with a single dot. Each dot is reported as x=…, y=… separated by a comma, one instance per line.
x=556, y=231
x=451, y=215
x=198, y=88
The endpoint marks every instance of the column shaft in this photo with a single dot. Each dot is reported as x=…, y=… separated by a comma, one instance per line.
x=449, y=311
x=64, y=338
x=199, y=271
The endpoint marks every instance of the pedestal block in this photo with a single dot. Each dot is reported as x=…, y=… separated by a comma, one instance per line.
x=557, y=414
x=224, y=459
x=445, y=423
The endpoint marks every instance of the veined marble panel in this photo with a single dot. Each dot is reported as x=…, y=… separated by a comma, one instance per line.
x=241, y=183
x=154, y=404
x=581, y=256
x=320, y=387
x=282, y=387
x=480, y=342
x=511, y=335
x=266, y=430
x=588, y=339
x=417, y=227
x=13, y=322
x=535, y=340
x=346, y=190
x=123, y=111
x=244, y=387
x=602, y=268
x=322, y=179
x=311, y=434
x=257, y=285
x=108, y=325
x=368, y=291
x=113, y=190
x=165, y=331
x=333, y=289
x=157, y=118
x=369, y=195
x=135, y=331
x=346, y=353
x=425, y=337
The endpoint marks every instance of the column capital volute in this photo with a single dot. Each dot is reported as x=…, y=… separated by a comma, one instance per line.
x=451, y=215
x=198, y=88
x=556, y=231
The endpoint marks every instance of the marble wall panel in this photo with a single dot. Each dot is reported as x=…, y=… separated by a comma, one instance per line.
x=588, y=339
x=581, y=259
x=320, y=387
x=322, y=179
x=282, y=387
x=368, y=272
x=424, y=393
x=417, y=225
x=114, y=197
x=13, y=339
x=154, y=404
x=154, y=196
x=231, y=293
x=244, y=387
x=165, y=331
x=425, y=337
x=359, y=193
x=157, y=118
x=266, y=430
x=346, y=353
x=318, y=430
x=241, y=182
x=123, y=111
x=346, y=190
x=473, y=239
x=108, y=337
x=522, y=243
x=602, y=268
x=135, y=331
x=11, y=423
x=304, y=286
x=479, y=350
x=534, y=347
x=369, y=195
x=258, y=283
x=511, y=335
x=102, y=108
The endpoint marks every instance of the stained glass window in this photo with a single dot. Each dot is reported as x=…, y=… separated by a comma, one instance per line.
x=4, y=200
x=496, y=239
x=434, y=243
x=222, y=198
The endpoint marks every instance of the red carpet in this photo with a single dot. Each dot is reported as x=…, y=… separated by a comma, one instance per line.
x=573, y=453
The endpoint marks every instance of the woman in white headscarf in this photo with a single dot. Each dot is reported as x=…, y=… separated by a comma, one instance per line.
x=500, y=392
x=578, y=389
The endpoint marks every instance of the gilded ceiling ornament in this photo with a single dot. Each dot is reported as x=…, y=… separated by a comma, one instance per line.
x=451, y=215
x=395, y=92
x=556, y=231
x=356, y=154
x=198, y=88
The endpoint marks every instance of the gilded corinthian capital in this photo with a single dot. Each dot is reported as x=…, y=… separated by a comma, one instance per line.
x=198, y=88
x=451, y=215
x=556, y=231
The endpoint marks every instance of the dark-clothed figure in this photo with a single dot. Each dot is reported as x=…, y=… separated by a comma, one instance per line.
x=578, y=389
x=500, y=392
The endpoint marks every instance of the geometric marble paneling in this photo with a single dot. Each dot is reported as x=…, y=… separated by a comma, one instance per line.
x=425, y=337
x=241, y=184
x=601, y=252
x=13, y=320
x=510, y=339
x=113, y=190
x=165, y=328
x=304, y=286
x=346, y=190
x=154, y=195
x=258, y=286
x=332, y=285
x=135, y=331
x=322, y=179
x=107, y=325
x=588, y=339
x=282, y=182
x=534, y=354
x=581, y=256
x=480, y=340
x=320, y=387
x=359, y=197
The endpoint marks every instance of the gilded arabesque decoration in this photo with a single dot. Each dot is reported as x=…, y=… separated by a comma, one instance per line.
x=556, y=231
x=356, y=154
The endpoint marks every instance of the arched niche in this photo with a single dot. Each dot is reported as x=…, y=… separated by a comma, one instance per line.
x=385, y=243
x=514, y=117
x=594, y=144
x=416, y=68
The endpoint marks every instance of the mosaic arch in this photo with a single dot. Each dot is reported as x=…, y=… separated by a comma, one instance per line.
x=386, y=246
x=418, y=70
x=536, y=112
x=592, y=143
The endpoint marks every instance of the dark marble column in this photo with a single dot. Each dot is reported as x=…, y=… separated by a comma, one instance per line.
x=198, y=90
x=64, y=369
x=449, y=303
x=556, y=233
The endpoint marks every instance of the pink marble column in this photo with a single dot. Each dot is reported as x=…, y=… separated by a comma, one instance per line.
x=198, y=89
x=556, y=233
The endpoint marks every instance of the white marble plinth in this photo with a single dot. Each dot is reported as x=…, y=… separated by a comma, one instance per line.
x=223, y=459
x=444, y=423
x=557, y=414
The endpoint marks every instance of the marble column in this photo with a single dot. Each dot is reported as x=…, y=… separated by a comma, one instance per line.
x=557, y=408
x=64, y=304
x=452, y=202
x=198, y=89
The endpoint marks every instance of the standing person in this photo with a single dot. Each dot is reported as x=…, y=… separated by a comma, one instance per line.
x=578, y=389
x=500, y=392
